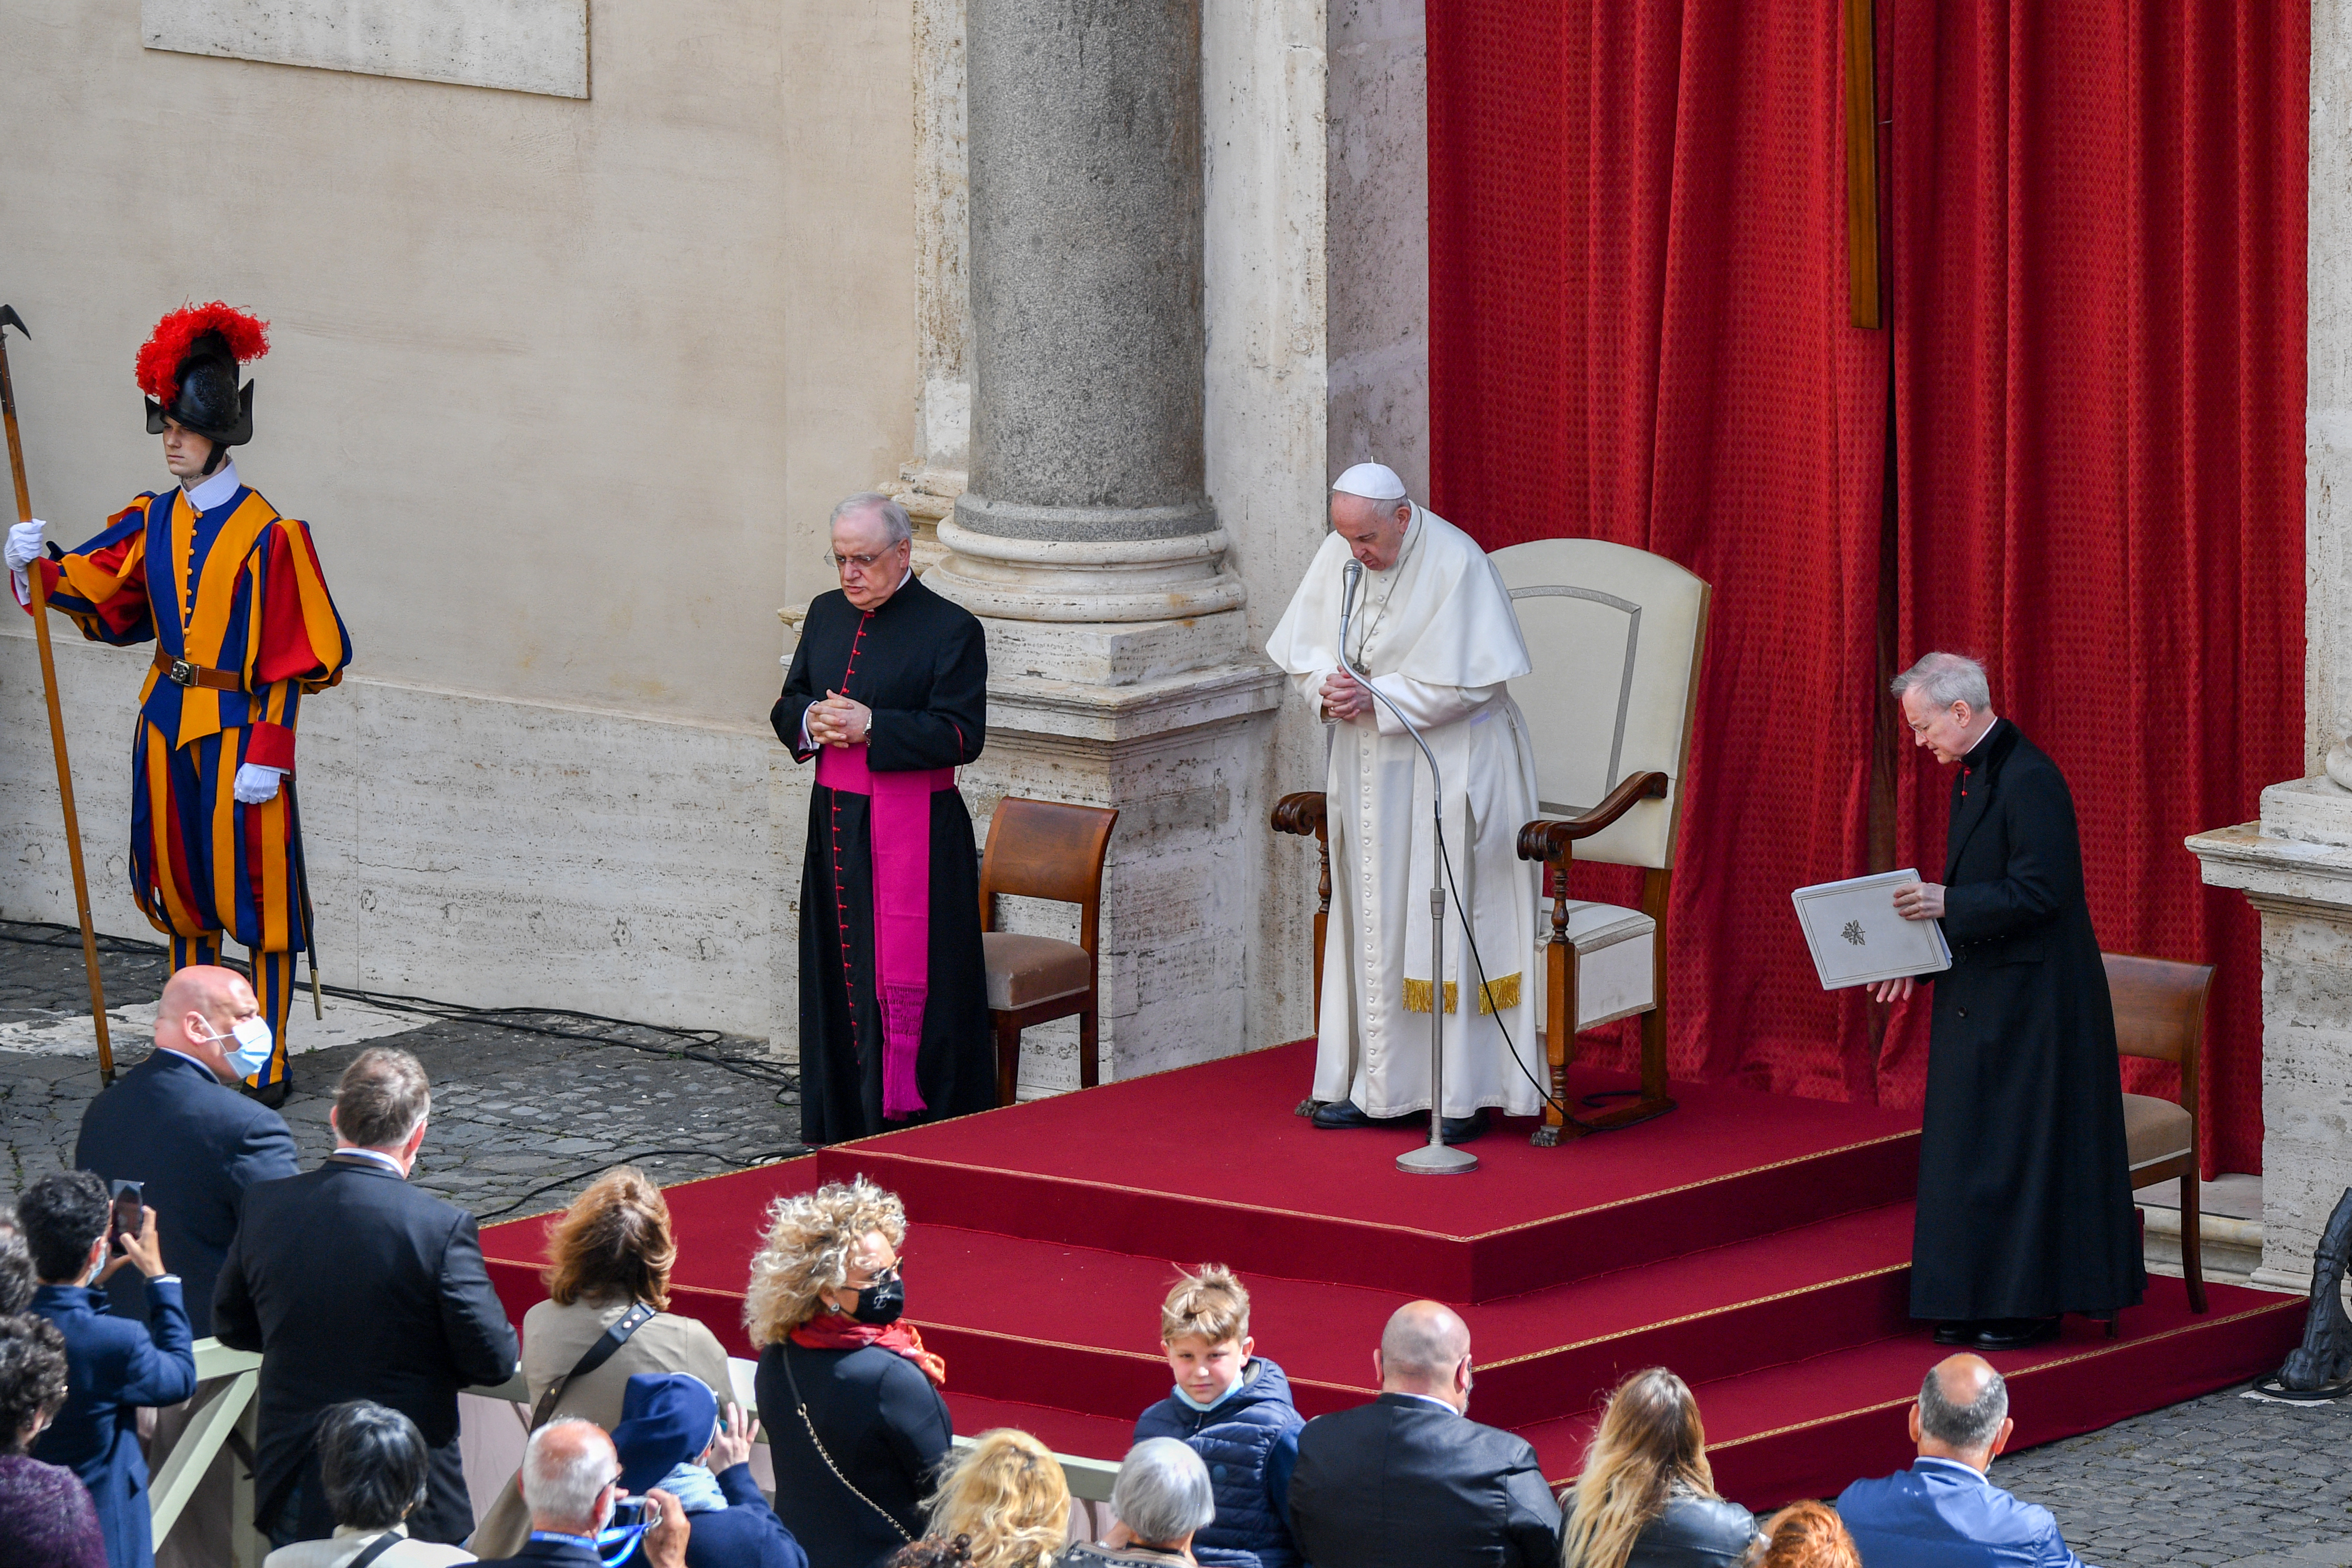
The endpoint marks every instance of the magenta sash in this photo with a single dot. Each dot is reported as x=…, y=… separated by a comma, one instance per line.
x=900, y=832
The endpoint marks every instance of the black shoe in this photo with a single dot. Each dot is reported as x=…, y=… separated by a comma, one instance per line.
x=272, y=1095
x=1464, y=1129
x=2015, y=1334
x=1341, y=1113
x=1957, y=1333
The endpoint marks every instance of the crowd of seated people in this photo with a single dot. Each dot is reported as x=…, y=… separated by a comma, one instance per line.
x=372, y=1307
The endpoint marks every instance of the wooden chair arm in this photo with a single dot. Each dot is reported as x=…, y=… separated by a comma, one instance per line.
x=1302, y=814
x=1544, y=838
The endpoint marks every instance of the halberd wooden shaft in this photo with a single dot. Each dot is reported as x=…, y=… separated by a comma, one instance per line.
x=56, y=718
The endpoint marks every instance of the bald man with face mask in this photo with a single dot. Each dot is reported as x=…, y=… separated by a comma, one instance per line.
x=177, y=1124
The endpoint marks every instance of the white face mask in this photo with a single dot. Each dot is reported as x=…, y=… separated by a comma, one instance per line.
x=251, y=1052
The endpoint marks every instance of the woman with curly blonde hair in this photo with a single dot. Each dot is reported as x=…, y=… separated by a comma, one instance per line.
x=1001, y=1503
x=849, y=1397
x=1647, y=1498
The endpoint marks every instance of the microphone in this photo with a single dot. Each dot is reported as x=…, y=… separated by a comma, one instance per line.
x=1353, y=576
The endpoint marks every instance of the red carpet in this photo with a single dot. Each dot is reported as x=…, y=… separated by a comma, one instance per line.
x=1759, y=1245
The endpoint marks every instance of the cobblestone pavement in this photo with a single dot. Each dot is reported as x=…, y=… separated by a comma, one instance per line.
x=2222, y=1480
x=521, y=1120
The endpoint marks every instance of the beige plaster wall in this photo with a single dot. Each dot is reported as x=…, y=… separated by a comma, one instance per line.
x=564, y=388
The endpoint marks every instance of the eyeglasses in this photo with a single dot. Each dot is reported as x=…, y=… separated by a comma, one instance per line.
x=862, y=562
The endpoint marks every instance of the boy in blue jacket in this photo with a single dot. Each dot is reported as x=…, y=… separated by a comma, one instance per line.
x=1233, y=1409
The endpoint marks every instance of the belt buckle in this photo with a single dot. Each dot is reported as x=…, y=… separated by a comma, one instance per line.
x=182, y=672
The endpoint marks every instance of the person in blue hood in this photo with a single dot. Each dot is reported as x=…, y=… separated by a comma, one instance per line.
x=670, y=1436
x=1233, y=1409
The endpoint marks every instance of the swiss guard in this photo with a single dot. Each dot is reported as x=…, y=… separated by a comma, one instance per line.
x=232, y=597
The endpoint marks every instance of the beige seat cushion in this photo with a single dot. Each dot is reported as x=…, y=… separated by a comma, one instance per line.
x=2153, y=1129
x=1022, y=970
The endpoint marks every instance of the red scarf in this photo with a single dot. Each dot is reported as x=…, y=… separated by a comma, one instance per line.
x=840, y=1332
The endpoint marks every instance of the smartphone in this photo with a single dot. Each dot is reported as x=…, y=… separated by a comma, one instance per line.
x=126, y=1214
x=632, y=1513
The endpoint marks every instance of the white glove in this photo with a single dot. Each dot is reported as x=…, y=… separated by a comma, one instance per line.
x=23, y=544
x=256, y=784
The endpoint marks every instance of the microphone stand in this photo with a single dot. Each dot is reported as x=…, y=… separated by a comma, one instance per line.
x=1435, y=1158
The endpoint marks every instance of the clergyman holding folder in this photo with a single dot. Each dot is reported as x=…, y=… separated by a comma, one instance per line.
x=2025, y=1206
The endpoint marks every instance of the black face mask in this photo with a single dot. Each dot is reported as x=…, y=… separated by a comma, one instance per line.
x=881, y=1302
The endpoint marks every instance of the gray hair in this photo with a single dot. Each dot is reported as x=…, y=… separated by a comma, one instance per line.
x=562, y=1473
x=1965, y=1427
x=1163, y=1492
x=897, y=527
x=381, y=1097
x=1944, y=679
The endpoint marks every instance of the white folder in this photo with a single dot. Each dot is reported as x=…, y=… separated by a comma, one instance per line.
x=1857, y=938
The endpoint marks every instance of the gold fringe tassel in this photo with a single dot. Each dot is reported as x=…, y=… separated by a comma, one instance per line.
x=1499, y=995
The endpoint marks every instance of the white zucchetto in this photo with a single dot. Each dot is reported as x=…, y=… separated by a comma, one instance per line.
x=1374, y=481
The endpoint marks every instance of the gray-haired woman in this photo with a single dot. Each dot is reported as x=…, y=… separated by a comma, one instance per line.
x=1162, y=1498
x=374, y=1464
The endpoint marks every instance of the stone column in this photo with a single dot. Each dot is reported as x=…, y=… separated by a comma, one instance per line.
x=1087, y=539
x=2294, y=865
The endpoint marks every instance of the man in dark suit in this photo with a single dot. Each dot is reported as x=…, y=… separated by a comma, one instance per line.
x=2025, y=1206
x=1409, y=1480
x=354, y=1285
x=112, y=1367
x=571, y=1481
x=1943, y=1512
x=177, y=1124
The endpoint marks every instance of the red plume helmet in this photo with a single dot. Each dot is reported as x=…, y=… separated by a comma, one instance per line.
x=188, y=368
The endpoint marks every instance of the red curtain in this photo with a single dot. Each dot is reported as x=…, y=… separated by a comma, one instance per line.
x=2094, y=276
x=1639, y=334
x=2096, y=230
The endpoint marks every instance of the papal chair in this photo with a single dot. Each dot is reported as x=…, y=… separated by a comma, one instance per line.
x=1043, y=849
x=1616, y=635
x=2160, y=1014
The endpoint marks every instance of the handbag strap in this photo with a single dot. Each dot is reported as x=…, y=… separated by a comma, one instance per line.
x=800, y=1405
x=376, y=1548
x=595, y=1356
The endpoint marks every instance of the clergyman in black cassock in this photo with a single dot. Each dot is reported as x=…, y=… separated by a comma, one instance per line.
x=920, y=664
x=2025, y=1206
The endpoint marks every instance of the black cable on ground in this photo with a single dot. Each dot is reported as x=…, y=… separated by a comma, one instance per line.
x=769, y=1158
x=693, y=1045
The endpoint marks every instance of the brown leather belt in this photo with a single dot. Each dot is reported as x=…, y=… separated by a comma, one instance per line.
x=180, y=672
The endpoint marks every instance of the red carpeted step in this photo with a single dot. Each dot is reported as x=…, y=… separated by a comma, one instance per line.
x=1809, y=1426
x=1131, y=1166
x=1078, y=1327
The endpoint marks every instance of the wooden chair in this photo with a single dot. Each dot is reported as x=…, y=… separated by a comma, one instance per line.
x=1616, y=635
x=1038, y=849
x=2160, y=1014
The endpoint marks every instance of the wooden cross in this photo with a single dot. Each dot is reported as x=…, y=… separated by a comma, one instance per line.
x=1861, y=162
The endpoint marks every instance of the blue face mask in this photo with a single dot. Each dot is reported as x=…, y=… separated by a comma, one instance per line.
x=251, y=1052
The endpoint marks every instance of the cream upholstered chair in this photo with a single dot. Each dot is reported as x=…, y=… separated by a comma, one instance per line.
x=1043, y=849
x=1616, y=635
x=2160, y=1014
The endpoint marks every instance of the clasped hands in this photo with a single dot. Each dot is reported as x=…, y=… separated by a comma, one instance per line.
x=838, y=721
x=1913, y=901
x=1345, y=697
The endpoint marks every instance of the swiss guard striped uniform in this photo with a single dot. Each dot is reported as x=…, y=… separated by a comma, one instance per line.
x=231, y=595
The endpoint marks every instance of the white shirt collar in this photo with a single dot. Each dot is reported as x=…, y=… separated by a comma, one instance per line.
x=378, y=1155
x=1444, y=1405
x=190, y=1061
x=216, y=490
x=1980, y=739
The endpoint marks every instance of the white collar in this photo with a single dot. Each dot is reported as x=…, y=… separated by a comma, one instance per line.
x=216, y=490
x=1980, y=739
x=1444, y=1405
x=378, y=1155
x=190, y=1061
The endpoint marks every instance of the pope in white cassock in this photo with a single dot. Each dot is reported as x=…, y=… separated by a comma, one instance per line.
x=1434, y=631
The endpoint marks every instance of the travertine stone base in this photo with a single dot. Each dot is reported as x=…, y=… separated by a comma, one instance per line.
x=2294, y=866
